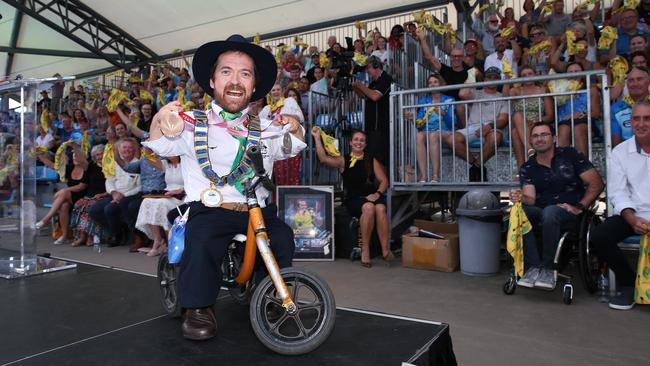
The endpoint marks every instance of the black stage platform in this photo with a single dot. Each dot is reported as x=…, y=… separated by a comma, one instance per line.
x=100, y=316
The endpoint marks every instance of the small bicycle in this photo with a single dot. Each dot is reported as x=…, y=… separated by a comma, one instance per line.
x=292, y=310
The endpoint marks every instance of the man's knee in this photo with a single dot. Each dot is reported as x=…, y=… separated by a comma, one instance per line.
x=552, y=214
x=368, y=209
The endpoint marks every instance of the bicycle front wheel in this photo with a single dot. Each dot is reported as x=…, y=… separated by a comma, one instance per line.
x=308, y=327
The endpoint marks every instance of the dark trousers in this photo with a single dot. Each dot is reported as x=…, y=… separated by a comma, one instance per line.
x=605, y=238
x=550, y=222
x=207, y=235
x=112, y=215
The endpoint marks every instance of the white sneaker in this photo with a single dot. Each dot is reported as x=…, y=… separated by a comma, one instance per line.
x=61, y=240
x=530, y=277
x=546, y=279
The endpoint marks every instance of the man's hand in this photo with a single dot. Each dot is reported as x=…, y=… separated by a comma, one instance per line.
x=638, y=224
x=167, y=119
x=315, y=132
x=515, y=195
x=117, y=197
x=570, y=208
x=373, y=197
x=483, y=131
x=294, y=124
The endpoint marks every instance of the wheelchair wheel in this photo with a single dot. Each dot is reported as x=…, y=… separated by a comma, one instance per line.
x=167, y=279
x=567, y=294
x=589, y=266
x=302, y=332
x=510, y=286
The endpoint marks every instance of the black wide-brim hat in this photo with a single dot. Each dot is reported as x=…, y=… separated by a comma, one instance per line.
x=265, y=66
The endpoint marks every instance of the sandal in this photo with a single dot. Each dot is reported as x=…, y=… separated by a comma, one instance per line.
x=366, y=264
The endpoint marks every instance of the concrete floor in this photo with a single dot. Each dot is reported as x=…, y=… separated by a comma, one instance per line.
x=487, y=327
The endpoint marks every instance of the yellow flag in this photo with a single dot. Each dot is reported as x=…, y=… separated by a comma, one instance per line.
x=642, y=285
x=44, y=120
x=507, y=68
x=61, y=160
x=108, y=161
x=607, y=36
x=518, y=227
x=145, y=95
x=539, y=47
x=85, y=142
x=331, y=144
x=619, y=67
x=207, y=99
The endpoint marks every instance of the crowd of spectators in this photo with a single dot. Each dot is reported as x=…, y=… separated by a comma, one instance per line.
x=120, y=193
x=545, y=40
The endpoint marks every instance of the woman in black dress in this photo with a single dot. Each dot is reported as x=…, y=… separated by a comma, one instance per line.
x=365, y=183
x=66, y=197
x=84, y=228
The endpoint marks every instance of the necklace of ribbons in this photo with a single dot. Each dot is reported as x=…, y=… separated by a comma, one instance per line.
x=242, y=166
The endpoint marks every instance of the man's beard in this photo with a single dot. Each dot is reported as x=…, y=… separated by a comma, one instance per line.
x=227, y=103
x=493, y=28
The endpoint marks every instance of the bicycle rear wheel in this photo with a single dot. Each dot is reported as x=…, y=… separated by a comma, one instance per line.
x=167, y=280
x=299, y=333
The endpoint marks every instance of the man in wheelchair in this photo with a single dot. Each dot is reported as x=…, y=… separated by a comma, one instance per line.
x=557, y=185
x=628, y=182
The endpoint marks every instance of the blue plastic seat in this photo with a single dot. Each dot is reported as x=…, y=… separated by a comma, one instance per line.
x=45, y=174
x=324, y=121
x=635, y=239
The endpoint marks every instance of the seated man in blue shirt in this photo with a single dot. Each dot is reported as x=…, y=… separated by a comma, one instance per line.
x=638, y=81
x=558, y=184
x=628, y=187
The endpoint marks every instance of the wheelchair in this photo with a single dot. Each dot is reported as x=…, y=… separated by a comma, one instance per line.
x=575, y=248
x=292, y=310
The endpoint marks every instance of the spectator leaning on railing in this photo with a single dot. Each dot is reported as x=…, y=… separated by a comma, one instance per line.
x=627, y=187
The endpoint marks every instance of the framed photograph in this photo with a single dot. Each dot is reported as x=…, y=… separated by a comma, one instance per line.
x=309, y=211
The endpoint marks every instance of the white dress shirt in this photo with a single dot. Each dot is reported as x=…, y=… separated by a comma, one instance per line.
x=493, y=60
x=628, y=179
x=126, y=183
x=222, y=150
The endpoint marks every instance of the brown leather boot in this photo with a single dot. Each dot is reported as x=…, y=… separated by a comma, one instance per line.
x=199, y=324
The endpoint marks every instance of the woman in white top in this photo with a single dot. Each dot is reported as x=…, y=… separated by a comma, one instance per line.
x=381, y=51
x=285, y=172
x=152, y=217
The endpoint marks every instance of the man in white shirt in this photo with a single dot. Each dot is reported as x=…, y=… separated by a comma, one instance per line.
x=234, y=72
x=122, y=188
x=628, y=187
x=502, y=55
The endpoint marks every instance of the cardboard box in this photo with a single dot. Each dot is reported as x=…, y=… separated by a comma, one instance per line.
x=432, y=254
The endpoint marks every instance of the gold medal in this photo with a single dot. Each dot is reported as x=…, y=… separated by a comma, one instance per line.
x=211, y=197
x=171, y=124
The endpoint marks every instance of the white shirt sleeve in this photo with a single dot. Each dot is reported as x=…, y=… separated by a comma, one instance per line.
x=617, y=184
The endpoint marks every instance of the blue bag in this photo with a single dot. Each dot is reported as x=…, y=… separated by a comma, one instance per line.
x=176, y=240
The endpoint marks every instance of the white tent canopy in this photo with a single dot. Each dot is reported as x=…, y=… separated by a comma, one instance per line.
x=163, y=26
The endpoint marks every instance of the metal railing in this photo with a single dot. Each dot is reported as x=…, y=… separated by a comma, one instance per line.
x=384, y=24
x=409, y=173
x=337, y=116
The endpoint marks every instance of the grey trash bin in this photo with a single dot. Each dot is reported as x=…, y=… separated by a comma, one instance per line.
x=479, y=225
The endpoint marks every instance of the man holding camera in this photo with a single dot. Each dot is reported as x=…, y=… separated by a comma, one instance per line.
x=377, y=111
